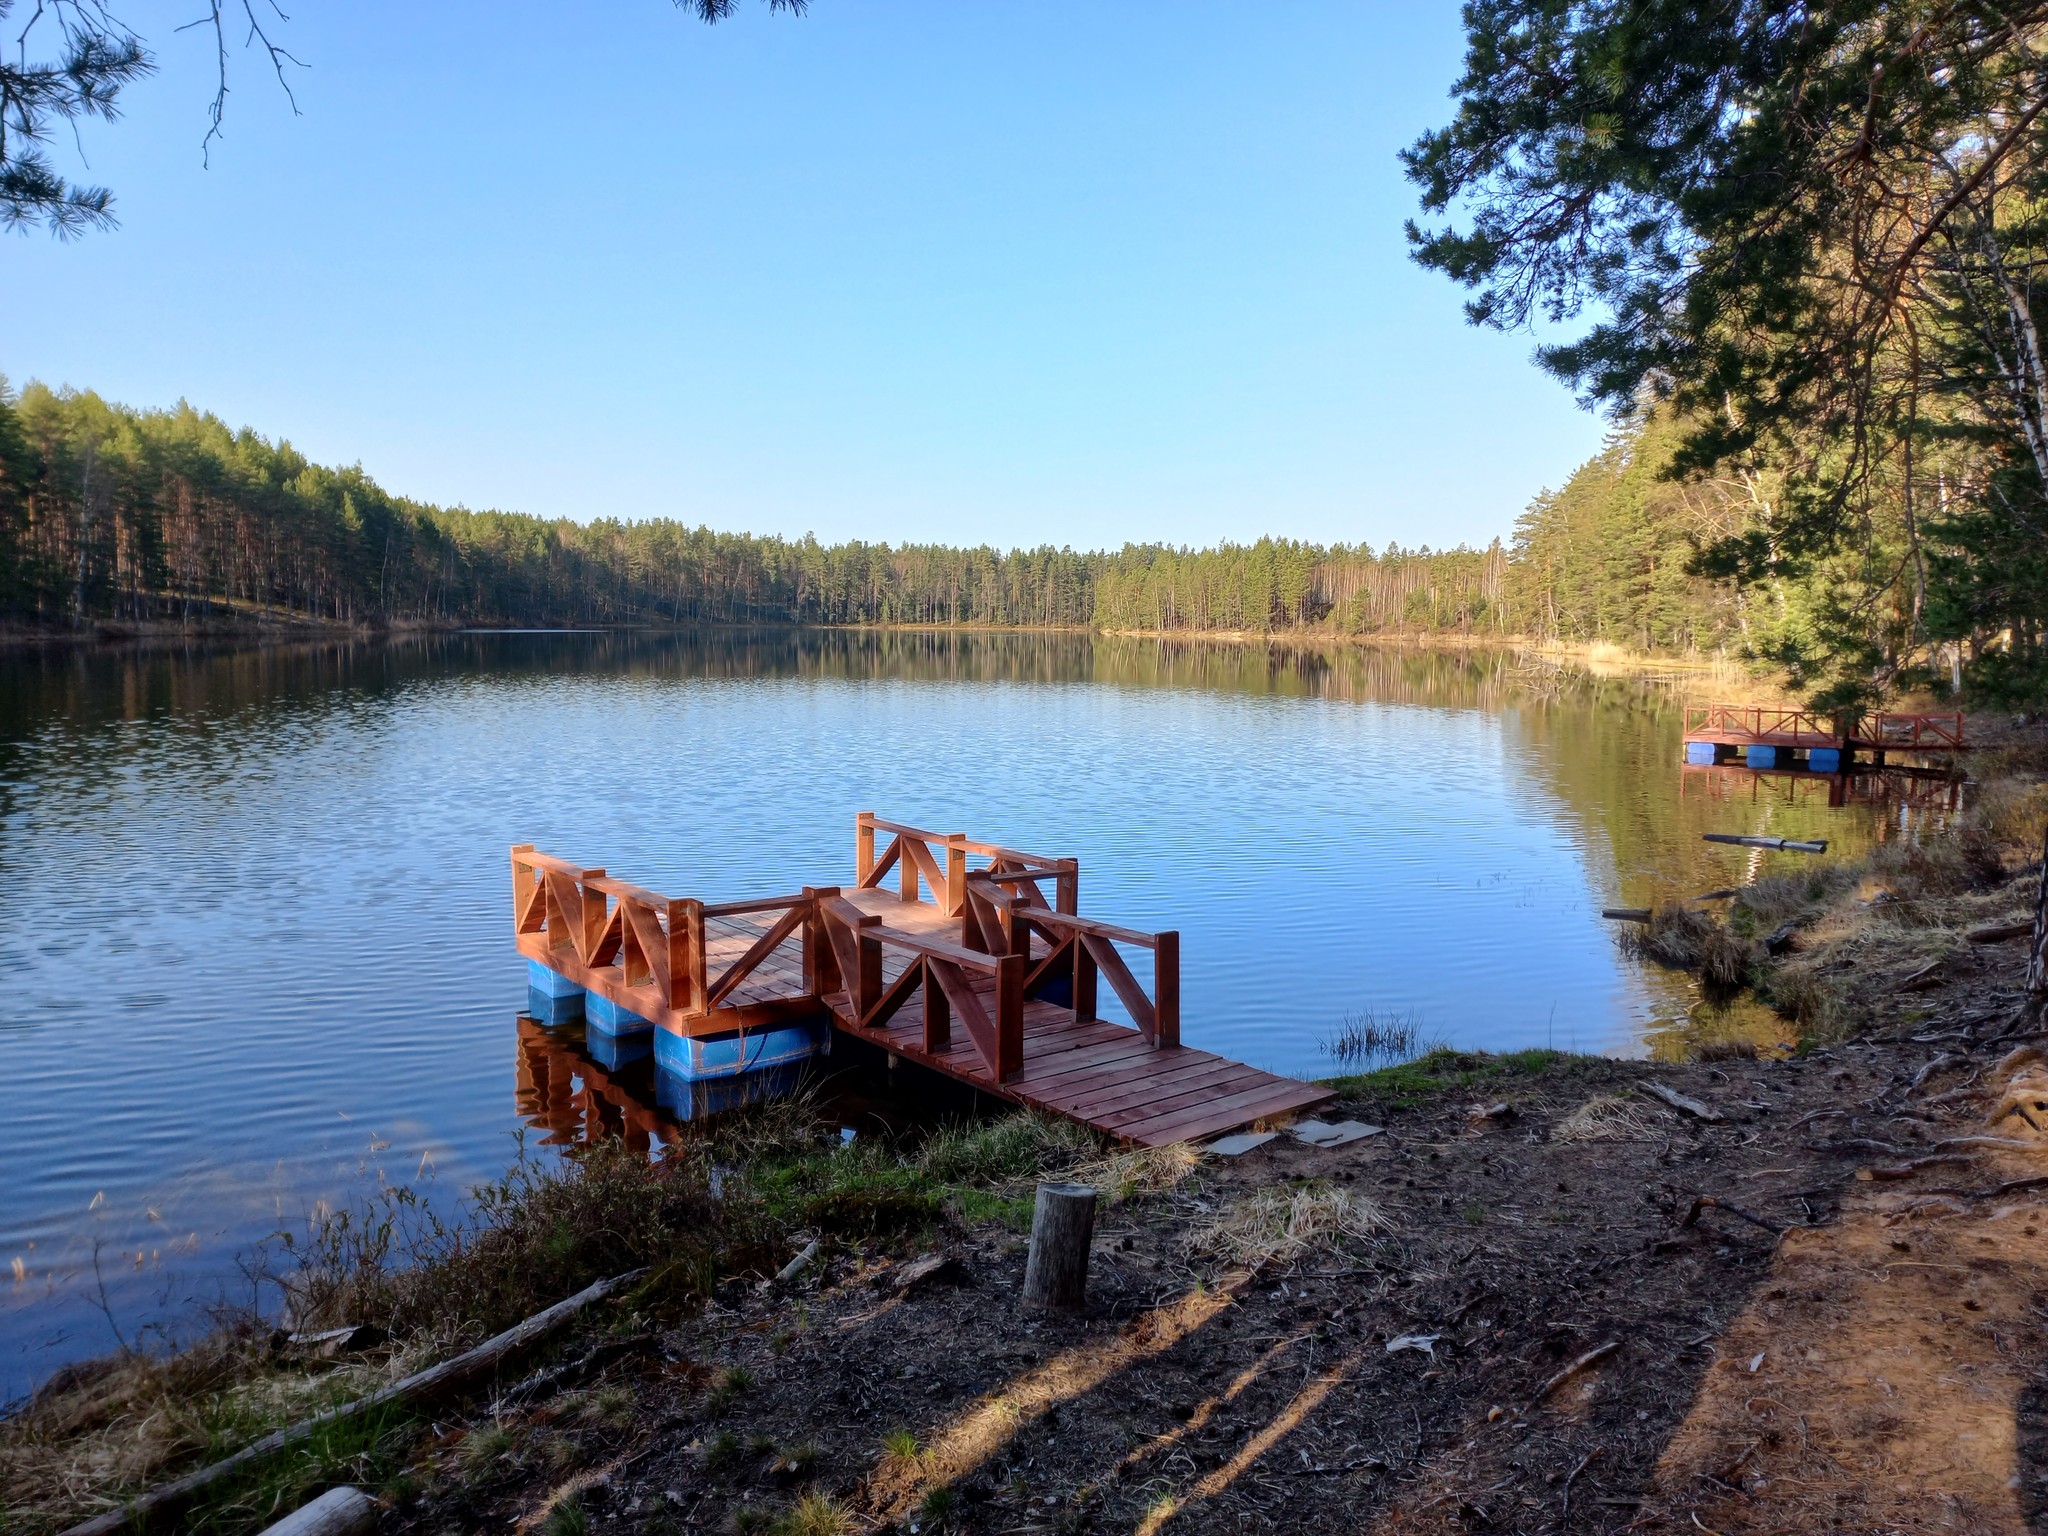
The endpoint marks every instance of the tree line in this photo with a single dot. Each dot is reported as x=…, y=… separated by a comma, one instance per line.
x=110, y=514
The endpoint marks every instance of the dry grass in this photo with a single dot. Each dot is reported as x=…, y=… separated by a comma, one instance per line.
x=1606, y=1117
x=1691, y=939
x=1279, y=1226
x=1141, y=1171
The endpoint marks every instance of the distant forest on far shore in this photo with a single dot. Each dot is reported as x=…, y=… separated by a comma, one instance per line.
x=109, y=514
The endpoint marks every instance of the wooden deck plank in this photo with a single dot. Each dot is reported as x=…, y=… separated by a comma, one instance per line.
x=1281, y=1096
x=1119, y=1093
x=1144, y=1074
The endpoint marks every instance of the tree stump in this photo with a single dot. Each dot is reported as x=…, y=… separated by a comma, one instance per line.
x=1062, y=1227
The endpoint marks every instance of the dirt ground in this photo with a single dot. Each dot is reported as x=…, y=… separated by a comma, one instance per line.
x=1532, y=1327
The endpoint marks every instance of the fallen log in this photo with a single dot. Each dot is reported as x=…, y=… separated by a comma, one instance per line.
x=1626, y=914
x=1775, y=844
x=437, y=1383
x=1682, y=1104
x=1999, y=933
x=337, y=1512
x=795, y=1266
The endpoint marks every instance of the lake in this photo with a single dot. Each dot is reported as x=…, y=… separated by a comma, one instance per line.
x=254, y=903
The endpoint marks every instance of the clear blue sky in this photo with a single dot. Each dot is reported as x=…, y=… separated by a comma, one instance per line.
x=923, y=269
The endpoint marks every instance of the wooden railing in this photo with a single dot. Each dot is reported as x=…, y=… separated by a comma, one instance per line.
x=588, y=923
x=1904, y=732
x=939, y=862
x=1761, y=722
x=1090, y=948
x=650, y=953
x=1927, y=732
x=852, y=963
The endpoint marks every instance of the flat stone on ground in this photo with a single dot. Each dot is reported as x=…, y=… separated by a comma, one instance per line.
x=1241, y=1143
x=1318, y=1133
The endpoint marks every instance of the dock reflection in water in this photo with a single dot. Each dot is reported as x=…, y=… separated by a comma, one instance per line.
x=1916, y=799
x=562, y=1091
x=576, y=1087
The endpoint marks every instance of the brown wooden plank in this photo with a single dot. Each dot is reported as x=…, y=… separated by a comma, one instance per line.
x=1083, y=1058
x=1171, y=1100
x=1280, y=1096
x=1147, y=1074
x=1102, y=1097
x=1214, y=1123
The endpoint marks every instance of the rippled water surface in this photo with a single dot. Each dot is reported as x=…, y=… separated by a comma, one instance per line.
x=254, y=904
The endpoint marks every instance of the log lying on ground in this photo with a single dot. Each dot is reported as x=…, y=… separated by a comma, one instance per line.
x=1999, y=933
x=436, y=1384
x=1626, y=914
x=1682, y=1104
x=337, y=1512
x=1775, y=844
x=795, y=1266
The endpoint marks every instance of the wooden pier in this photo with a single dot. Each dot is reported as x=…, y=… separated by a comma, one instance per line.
x=978, y=965
x=1782, y=730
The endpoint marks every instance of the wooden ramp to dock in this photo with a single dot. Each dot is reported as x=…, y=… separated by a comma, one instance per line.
x=978, y=965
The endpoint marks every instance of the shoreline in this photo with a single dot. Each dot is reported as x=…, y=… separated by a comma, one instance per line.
x=1724, y=1231
x=282, y=627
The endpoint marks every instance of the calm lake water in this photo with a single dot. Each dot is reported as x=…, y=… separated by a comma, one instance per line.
x=254, y=904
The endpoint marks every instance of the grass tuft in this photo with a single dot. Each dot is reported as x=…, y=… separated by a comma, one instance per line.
x=995, y=1152
x=938, y=1506
x=817, y=1514
x=1279, y=1226
x=1605, y=1117
x=1369, y=1038
x=567, y=1518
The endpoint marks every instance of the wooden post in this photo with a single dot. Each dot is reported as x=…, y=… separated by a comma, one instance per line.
x=697, y=983
x=906, y=869
x=1009, y=1016
x=867, y=987
x=956, y=873
x=816, y=951
x=1166, y=989
x=1084, y=982
x=1062, y=1228
x=938, y=1014
x=1067, y=888
x=863, y=847
x=522, y=887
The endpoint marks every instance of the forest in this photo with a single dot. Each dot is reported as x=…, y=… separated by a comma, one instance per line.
x=111, y=515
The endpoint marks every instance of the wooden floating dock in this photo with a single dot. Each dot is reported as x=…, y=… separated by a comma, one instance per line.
x=1771, y=737
x=978, y=965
